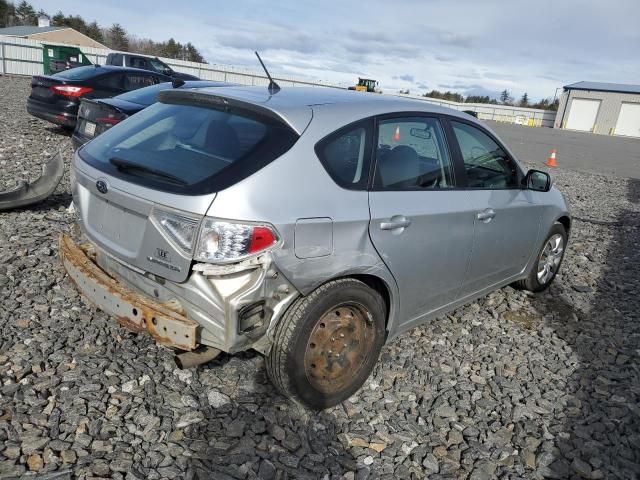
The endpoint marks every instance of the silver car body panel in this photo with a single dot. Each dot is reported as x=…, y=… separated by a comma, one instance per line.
x=445, y=258
x=28, y=193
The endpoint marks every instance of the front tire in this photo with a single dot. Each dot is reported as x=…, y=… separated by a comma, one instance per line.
x=548, y=261
x=327, y=343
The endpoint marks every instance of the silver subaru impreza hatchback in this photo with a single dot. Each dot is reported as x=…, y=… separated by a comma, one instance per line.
x=312, y=225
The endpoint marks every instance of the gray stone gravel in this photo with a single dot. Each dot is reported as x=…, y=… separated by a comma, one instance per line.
x=511, y=386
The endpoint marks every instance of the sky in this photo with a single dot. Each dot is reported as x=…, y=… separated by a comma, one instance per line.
x=473, y=47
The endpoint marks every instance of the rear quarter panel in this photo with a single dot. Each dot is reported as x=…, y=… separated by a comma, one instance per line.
x=295, y=188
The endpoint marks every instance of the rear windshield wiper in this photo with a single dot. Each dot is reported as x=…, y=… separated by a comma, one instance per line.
x=132, y=167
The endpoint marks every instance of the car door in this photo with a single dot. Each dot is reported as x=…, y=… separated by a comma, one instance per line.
x=506, y=215
x=108, y=85
x=421, y=224
x=135, y=80
x=138, y=62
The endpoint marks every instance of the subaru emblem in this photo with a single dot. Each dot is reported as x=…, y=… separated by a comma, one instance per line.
x=102, y=187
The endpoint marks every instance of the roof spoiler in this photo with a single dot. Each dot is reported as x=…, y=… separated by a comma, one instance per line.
x=205, y=99
x=29, y=193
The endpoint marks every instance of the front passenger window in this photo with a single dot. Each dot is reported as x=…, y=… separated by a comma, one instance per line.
x=486, y=163
x=412, y=155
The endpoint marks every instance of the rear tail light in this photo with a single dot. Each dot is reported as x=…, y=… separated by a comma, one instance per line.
x=182, y=229
x=70, y=90
x=109, y=121
x=222, y=242
x=218, y=241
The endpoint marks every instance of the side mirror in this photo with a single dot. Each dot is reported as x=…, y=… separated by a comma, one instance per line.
x=420, y=133
x=168, y=71
x=538, y=181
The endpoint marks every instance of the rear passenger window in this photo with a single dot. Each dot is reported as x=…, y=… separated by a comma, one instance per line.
x=112, y=82
x=138, y=62
x=486, y=163
x=412, y=155
x=116, y=59
x=345, y=156
x=134, y=81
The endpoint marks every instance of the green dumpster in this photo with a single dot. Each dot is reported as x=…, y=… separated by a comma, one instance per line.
x=56, y=58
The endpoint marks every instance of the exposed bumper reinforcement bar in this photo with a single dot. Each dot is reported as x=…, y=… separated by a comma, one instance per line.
x=28, y=193
x=133, y=310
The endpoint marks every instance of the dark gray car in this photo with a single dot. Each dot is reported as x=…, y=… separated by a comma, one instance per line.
x=312, y=225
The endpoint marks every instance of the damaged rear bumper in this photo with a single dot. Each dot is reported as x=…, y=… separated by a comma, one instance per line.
x=37, y=191
x=228, y=307
x=134, y=311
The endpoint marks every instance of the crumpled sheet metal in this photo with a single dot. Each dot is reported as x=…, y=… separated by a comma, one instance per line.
x=28, y=193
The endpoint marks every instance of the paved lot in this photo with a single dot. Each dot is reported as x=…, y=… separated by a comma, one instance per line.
x=577, y=151
x=511, y=386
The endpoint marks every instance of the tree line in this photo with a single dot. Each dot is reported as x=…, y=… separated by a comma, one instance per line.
x=505, y=99
x=115, y=37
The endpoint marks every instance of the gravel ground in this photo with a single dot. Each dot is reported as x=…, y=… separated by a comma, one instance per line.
x=512, y=386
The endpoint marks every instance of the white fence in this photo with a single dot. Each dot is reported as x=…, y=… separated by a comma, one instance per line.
x=531, y=117
x=21, y=56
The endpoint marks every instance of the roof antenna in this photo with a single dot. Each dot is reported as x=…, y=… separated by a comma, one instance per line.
x=273, y=86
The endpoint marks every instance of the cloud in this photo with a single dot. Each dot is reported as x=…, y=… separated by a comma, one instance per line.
x=456, y=86
x=406, y=77
x=481, y=91
x=486, y=47
x=258, y=36
x=444, y=58
x=456, y=39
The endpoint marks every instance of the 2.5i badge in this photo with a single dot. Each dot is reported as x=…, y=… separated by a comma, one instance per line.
x=163, y=259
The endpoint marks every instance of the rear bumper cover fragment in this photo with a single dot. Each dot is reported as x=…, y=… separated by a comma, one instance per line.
x=133, y=311
x=37, y=191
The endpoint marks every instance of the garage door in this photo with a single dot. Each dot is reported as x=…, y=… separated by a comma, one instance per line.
x=629, y=120
x=582, y=114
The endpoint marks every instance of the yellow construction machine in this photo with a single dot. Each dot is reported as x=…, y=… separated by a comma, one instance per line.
x=365, y=85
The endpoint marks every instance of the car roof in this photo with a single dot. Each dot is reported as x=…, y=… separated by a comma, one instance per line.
x=291, y=103
x=157, y=88
x=115, y=68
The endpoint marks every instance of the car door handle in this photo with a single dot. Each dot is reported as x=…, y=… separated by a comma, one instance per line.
x=395, y=222
x=486, y=215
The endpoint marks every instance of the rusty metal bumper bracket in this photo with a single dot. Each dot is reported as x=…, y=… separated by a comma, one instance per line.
x=134, y=311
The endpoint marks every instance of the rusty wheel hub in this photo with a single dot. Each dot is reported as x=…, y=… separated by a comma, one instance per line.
x=338, y=347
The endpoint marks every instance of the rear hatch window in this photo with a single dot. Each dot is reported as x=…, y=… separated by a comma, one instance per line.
x=187, y=149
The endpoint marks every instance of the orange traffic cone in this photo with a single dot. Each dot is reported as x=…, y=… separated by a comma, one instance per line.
x=551, y=161
x=396, y=136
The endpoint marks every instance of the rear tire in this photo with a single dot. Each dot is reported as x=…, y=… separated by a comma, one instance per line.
x=548, y=261
x=327, y=343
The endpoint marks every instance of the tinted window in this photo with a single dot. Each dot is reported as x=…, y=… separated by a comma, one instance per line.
x=187, y=149
x=412, y=154
x=344, y=155
x=133, y=81
x=486, y=163
x=79, y=73
x=114, y=59
x=138, y=62
x=158, y=66
x=111, y=82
